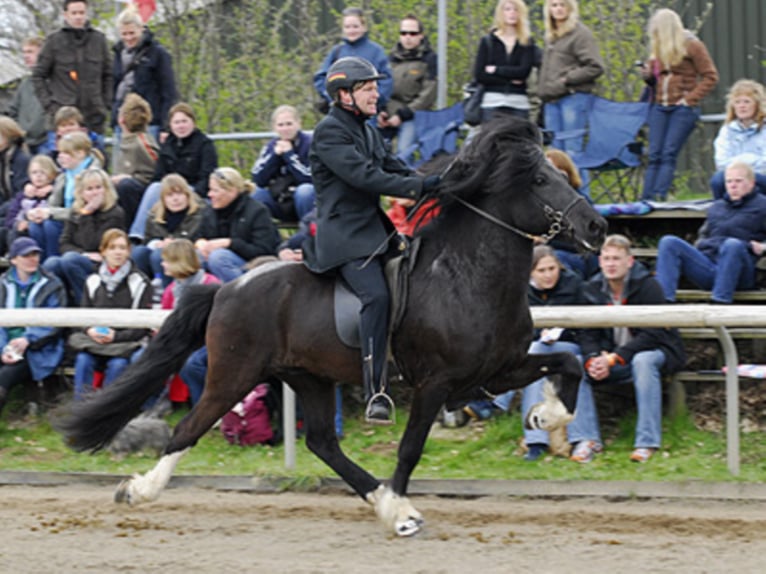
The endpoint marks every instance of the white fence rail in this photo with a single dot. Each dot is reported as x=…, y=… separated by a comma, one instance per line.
x=717, y=317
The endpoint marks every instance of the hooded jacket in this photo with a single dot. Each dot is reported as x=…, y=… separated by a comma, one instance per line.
x=74, y=68
x=194, y=157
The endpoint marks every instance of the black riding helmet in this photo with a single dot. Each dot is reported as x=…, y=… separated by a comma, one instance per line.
x=345, y=73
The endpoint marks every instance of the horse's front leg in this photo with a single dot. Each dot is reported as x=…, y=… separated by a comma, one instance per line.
x=391, y=503
x=148, y=487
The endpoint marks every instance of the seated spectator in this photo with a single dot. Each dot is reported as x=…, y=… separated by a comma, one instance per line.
x=69, y=119
x=187, y=152
x=730, y=242
x=552, y=284
x=176, y=215
x=136, y=159
x=235, y=228
x=282, y=174
x=42, y=173
x=29, y=353
x=180, y=261
x=76, y=154
x=14, y=159
x=116, y=285
x=94, y=211
x=290, y=248
x=584, y=264
x=631, y=355
x=742, y=137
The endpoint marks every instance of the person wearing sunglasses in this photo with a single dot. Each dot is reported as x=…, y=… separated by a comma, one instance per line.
x=413, y=67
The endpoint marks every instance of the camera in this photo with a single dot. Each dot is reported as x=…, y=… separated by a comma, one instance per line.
x=638, y=63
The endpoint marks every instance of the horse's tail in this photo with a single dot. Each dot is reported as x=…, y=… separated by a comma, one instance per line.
x=90, y=424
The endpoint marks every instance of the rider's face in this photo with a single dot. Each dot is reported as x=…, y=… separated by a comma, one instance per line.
x=366, y=97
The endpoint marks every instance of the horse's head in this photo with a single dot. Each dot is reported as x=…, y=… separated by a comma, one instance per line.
x=504, y=173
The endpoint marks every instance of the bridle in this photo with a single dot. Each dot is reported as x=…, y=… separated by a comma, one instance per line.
x=558, y=218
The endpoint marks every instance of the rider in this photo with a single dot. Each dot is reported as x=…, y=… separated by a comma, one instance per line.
x=351, y=169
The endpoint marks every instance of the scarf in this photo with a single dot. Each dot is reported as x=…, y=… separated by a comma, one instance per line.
x=127, y=55
x=173, y=219
x=70, y=175
x=112, y=279
x=180, y=285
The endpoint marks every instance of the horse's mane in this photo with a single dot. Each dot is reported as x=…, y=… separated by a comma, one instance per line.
x=504, y=154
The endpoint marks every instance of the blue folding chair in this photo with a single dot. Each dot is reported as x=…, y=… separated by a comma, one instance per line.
x=436, y=132
x=613, y=147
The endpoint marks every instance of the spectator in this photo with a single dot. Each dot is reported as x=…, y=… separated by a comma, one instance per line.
x=355, y=43
x=625, y=355
x=61, y=80
x=352, y=168
x=504, y=60
x=187, y=152
x=413, y=68
x=177, y=215
x=76, y=155
x=681, y=73
x=94, y=211
x=29, y=353
x=570, y=66
x=180, y=261
x=742, y=137
x=235, y=228
x=136, y=158
x=730, y=242
x=143, y=67
x=67, y=120
x=282, y=174
x=25, y=108
x=116, y=284
x=42, y=173
x=552, y=284
x=14, y=160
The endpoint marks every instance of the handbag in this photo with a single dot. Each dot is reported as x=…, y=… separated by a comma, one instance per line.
x=472, y=103
x=282, y=190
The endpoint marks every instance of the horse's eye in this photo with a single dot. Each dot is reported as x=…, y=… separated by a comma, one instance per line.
x=540, y=180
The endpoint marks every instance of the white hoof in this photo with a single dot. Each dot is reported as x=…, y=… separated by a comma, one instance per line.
x=395, y=511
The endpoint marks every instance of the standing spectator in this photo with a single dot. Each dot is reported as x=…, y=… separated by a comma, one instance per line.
x=29, y=353
x=74, y=69
x=413, y=68
x=25, y=108
x=352, y=168
x=742, y=137
x=42, y=173
x=681, y=73
x=116, y=284
x=355, y=43
x=76, y=154
x=188, y=152
x=571, y=64
x=136, y=159
x=504, y=59
x=552, y=284
x=282, y=174
x=177, y=215
x=142, y=66
x=94, y=211
x=628, y=355
x=730, y=242
x=235, y=228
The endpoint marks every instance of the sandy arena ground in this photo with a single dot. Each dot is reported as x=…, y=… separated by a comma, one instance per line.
x=189, y=530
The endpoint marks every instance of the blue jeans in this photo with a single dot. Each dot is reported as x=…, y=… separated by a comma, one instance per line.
x=405, y=136
x=669, y=128
x=718, y=184
x=734, y=270
x=193, y=373
x=149, y=261
x=150, y=197
x=567, y=114
x=644, y=372
x=225, y=264
x=47, y=235
x=303, y=199
x=585, y=424
x=85, y=365
x=73, y=269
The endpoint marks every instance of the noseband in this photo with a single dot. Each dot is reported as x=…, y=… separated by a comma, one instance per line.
x=558, y=219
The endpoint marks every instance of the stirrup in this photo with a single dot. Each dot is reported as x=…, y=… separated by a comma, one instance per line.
x=368, y=410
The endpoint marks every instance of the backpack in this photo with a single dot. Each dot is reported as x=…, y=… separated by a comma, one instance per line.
x=249, y=422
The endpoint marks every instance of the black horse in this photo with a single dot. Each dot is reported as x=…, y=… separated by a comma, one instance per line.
x=466, y=324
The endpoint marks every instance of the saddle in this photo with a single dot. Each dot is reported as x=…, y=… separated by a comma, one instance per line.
x=347, y=305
